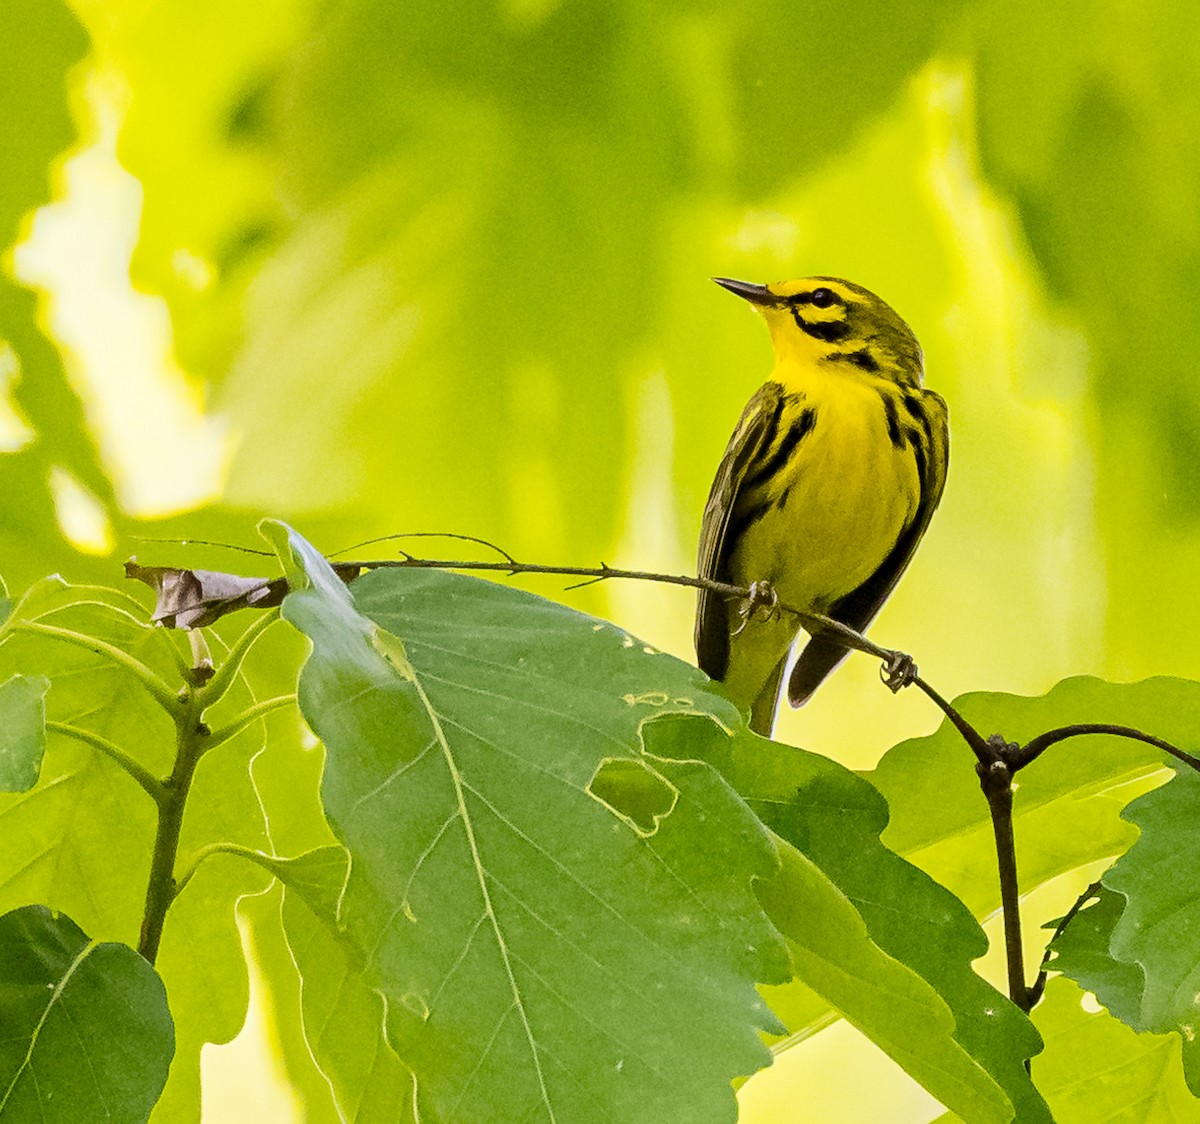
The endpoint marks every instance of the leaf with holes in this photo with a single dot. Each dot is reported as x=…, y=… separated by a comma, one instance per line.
x=1082, y=953
x=564, y=925
x=87, y=1034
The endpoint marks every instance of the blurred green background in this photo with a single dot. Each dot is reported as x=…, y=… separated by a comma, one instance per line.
x=375, y=267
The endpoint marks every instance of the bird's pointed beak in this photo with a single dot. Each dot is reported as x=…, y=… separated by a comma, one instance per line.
x=747, y=290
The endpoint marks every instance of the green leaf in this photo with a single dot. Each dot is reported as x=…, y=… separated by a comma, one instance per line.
x=880, y=940
x=542, y=956
x=343, y=1019
x=87, y=1033
x=1096, y=1068
x=329, y=1021
x=1082, y=953
x=80, y=840
x=317, y=878
x=1067, y=804
x=1157, y=929
x=22, y=731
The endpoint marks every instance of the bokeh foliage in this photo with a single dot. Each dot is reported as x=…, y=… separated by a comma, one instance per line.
x=445, y=269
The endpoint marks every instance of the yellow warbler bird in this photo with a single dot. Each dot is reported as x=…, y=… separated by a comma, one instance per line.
x=825, y=489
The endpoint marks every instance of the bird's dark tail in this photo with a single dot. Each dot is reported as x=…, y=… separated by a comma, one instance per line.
x=817, y=660
x=762, y=713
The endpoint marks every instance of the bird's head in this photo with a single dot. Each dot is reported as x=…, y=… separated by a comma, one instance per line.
x=828, y=320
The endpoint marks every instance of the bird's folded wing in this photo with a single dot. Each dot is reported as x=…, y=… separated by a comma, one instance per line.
x=754, y=435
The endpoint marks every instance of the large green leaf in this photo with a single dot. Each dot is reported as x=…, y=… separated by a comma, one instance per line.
x=87, y=1033
x=877, y=938
x=545, y=951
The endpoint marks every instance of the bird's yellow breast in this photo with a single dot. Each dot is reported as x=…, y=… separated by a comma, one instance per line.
x=848, y=493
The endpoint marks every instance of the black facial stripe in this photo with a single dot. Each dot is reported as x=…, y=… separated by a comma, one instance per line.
x=861, y=358
x=778, y=460
x=829, y=331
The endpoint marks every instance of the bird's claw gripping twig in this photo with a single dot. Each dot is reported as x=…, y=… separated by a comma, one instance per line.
x=761, y=595
x=898, y=671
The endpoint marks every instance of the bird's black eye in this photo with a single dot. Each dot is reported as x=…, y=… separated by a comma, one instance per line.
x=822, y=298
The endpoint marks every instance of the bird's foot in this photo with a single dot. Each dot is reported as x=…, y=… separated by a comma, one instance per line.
x=762, y=596
x=899, y=670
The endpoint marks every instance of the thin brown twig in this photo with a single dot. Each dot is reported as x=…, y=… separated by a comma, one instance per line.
x=1033, y=748
x=238, y=548
x=1035, y=992
x=429, y=535
x=604, y=572
x=814, y=622
x=974, y=739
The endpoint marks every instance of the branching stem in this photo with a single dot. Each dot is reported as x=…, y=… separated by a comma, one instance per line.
x=996, y=781
x=221, y=680
x=208, y=852
x=192, y=740
x=161, y=890
x=250, y=714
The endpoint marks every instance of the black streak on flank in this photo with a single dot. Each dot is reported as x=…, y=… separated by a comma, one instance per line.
x=914, y=440
x=830, y=331
x=917, y=411
x=893, y=421
x=778, y=460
